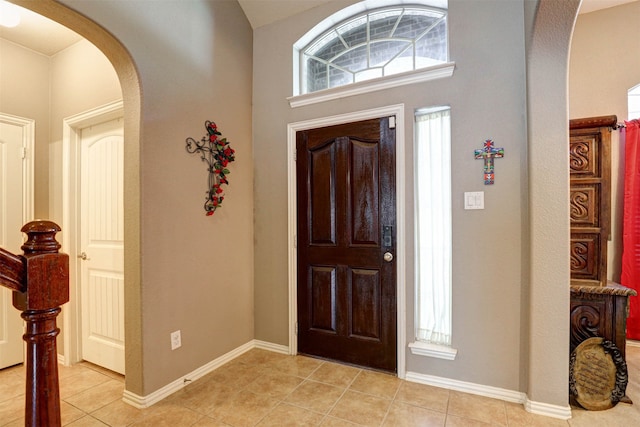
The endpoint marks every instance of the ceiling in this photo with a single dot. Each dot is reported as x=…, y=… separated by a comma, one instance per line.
x=38, y=33
x=43, y=35
x=263, y=12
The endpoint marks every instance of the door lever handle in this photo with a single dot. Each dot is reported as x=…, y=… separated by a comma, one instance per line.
x=83, y=256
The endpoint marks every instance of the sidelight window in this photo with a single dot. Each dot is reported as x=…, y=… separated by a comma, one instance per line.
x=433, y=229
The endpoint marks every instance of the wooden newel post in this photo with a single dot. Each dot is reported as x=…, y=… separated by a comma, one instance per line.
x=47, y=288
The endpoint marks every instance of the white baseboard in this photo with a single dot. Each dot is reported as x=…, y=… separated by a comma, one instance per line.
x=466, y=387
x=633, y=343
x=61, y=360
x=553, y=411
x=141, y=402
x=513, y=396
x=277, y=348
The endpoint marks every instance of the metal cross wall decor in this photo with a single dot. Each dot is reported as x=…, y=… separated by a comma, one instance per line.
x=488, y=153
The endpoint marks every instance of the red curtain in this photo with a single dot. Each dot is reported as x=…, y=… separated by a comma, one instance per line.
x=630, y=276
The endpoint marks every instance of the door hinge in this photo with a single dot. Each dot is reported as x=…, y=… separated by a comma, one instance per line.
x=24, y=152
x=295, y=156
x=296, y=328
x=295, y=241
x=392, y=122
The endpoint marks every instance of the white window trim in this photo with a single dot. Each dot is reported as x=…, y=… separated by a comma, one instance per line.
x=418, y=76
x=420, y=348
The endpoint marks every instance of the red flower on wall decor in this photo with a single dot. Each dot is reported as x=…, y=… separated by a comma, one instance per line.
x=217, y=153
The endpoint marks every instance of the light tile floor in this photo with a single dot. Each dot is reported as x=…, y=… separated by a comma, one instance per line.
x=262, y=388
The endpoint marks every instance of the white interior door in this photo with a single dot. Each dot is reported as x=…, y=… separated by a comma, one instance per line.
x=101, y=244
x=15, y=138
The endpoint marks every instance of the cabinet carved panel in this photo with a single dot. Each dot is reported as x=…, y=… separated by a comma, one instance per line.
x=586, y=322
x=583, y=205
x=583, y=155
x=583, y=257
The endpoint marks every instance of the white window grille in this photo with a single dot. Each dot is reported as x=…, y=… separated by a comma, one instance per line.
x=375, y=44
x=433, y=225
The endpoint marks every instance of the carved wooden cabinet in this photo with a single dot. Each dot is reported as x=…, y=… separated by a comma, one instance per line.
x=598, y=308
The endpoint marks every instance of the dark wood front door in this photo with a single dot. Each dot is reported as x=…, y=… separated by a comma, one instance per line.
x=346, y=225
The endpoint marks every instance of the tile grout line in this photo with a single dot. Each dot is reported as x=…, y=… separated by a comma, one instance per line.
x=395, y=395
x=446, y=411
x=341, y=396
x=282, y=400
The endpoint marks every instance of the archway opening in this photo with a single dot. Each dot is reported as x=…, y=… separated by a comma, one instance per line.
x=127, y=74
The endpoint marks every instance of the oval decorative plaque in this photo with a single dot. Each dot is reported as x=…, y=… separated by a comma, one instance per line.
x=597, y=374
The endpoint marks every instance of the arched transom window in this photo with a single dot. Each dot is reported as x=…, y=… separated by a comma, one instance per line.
x=375, y=44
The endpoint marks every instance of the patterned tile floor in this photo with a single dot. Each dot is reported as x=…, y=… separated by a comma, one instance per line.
x=261, y=388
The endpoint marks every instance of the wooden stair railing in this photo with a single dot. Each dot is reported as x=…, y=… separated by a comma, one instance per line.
x=40, y=281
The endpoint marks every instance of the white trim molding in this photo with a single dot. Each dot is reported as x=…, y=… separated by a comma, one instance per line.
x=28, y=161
x=391, y=110
x=553, y=411
x=420, y=348
x=418, y=76
x=467, y=387
x=539, y=408
x=276, y=348
x=71, y=127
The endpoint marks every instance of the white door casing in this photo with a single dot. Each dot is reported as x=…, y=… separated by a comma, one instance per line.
x=391, y=110
x=93, y=215
x=16, y=208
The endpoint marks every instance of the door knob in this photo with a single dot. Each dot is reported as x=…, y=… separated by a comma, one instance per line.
x=388, y=256
x=83, y=256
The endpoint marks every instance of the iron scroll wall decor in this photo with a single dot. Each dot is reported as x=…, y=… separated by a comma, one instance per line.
x=217, y=154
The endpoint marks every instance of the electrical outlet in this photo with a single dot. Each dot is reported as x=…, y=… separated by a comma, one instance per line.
x=176, y=341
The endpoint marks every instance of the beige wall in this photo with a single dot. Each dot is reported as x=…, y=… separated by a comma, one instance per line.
x=605, y=64
x=48, y=89
x=487, y=99
x=24, y=92
x=81, y=79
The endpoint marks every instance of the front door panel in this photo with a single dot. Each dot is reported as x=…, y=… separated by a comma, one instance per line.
x=346, y=290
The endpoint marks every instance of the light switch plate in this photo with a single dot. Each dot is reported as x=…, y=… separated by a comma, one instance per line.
x=474, y=200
